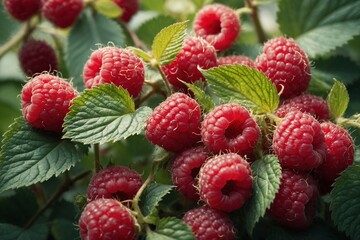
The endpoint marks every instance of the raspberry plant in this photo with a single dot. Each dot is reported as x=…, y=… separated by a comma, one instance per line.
x=157, y=119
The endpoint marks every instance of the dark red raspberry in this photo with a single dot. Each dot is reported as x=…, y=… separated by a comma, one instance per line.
x=104, y=219
x=115, y=65
x=217, y=24
x=185, y=169
x=46, y=100
x=295, y=202
x=118, y=182
x=175, y=123
x=236, y=59
x=195, y=53
x=22, y=9
x=230, y=128
x=225, y=182
x=62, y=13
x=339, y=151
x=128, y=7
x=299, y=142
x=37, y=56
x=286, y=65
x=208, y=223
x=306, y=103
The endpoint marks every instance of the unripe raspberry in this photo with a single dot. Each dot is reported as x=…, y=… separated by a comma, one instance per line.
x=104, y=219
x=46, y=100
x=62, y=13
x=115, y=65
x=195, y=53
x=37, y=56
x=128, y=7
x=22, y=10
x=175, y=123
x=217, y=24
x=236, y=59
x=286, y=65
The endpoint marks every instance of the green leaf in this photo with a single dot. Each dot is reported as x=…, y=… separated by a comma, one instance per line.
x=246, y=85
x=142, y=54
x=11, y=232
x=104, y=113
x=168, y=42
x=338, y=99
x=151, y=197
x=267, y=175
x=30, y=156
x=170, y=228
x=345, y=204
x=8, y=25
x=89, y=31
x=315, y=26
x=205, y=101
x=108, y=8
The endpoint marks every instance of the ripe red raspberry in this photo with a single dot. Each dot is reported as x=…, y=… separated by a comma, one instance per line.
x=22, y=10
x=286, y=65
x=62, y=13
x=339, y=151
x=185, y=169
x=236, y=59
x=37, y=56
x=306, y=103
x=104, y=219
x=295, y=202
x=175, y=123
x=225, y=182
x=195, y=53
x=115, y=65
x=217, y=24
x=208, y=223
x=118, y=182
x=46, y=100
x=229, y=127
x=129, y=8
x=299, y=142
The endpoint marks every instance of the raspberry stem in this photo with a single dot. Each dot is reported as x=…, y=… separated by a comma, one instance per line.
x=255, y=17
x=166, y=82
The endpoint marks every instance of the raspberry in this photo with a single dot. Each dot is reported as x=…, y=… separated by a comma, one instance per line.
x=208, y=223
x=229, y=127
x=46, y=100
x=175, y=123
x=236, y=59
x=286, y=65
x=225, y=182
x=195, y=53
x=62, y=13
x=217, y=24
x=185, y=169
x=106, y=219
x=306, y=103
x=115, y=65
x=37, y=56
x=22, y=9
x=299, y=142
x=129, y=8
x=119, y=182
x=339, y=151
x=295, y=202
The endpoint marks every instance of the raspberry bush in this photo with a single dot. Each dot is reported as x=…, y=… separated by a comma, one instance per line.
x=181, y=120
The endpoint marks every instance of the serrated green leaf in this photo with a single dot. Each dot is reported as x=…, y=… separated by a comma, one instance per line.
x=151, y=197
x=89, y=31
x=108, y=8
x=315, y=26
x=338, y=99
x=246, y=85
x=142, y=54
x=267, y=175
x=30, y=156
x=205, y=101
x=345, y=204
x=168, y=42
x=104, y=113
x=11, y=232
x=170, y=228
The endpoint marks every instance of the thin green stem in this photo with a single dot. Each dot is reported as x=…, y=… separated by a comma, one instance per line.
x=16, y=39
x=255, y=17
x=97, y=157
x=166, y=82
